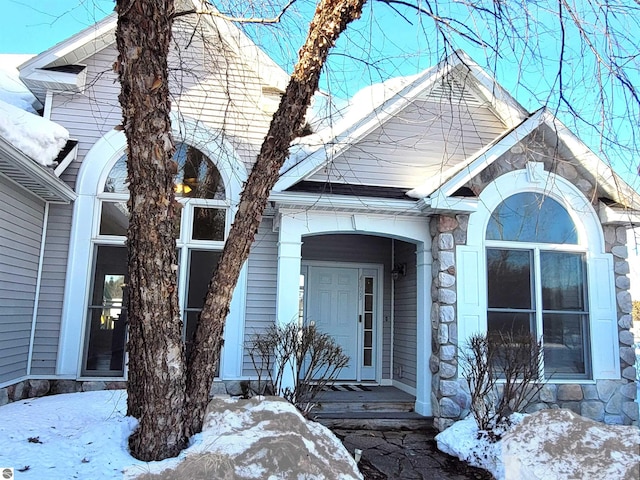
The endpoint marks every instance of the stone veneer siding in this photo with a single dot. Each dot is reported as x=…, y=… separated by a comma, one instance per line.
x=609, y=401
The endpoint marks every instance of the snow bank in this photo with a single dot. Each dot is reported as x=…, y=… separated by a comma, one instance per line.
x=561, y=445
x=549, y=444
x=256, y=439
x=463, y=440
x=35, y=136
x=77, y=435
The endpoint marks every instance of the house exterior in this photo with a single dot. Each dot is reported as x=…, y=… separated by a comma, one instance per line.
x=436, y=208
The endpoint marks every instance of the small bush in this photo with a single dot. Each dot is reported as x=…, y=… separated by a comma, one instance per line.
x=503, y=372
x=310, y=358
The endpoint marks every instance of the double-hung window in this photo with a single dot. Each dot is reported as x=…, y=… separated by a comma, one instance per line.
x=536, y=281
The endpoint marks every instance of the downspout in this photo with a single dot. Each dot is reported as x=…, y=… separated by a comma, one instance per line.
x=36, y=300
x=393, y=308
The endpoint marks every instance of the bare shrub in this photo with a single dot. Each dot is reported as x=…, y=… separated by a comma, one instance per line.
x=504, y=374
x=301, y=355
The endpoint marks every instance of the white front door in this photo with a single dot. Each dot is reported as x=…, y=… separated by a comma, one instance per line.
x=342, y=302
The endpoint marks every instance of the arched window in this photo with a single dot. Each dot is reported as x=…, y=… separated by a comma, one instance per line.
x=536, y=280
x=200, y=232
x=531, y=217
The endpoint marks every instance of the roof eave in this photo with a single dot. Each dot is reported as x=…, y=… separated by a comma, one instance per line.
x=329, y=202
x=626, y=217
x=24, y=171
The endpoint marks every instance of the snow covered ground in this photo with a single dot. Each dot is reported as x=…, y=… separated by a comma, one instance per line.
x=84, y=436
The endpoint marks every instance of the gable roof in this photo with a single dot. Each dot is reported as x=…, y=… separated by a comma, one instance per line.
x=61, y=68
x=435, y=193
x=468, y=80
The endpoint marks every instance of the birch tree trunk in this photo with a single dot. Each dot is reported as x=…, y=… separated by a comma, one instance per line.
x=330, y=20
x=156, y=382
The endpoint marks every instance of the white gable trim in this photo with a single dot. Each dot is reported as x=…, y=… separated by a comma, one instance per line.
x=91, y=40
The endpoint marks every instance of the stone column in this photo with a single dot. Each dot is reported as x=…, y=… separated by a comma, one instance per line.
x=449, y=399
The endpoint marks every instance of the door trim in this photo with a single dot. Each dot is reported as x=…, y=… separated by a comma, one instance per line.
x=304, y=266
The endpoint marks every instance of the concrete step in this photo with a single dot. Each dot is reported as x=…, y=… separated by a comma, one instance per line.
x=375, y=421
x=365, y=406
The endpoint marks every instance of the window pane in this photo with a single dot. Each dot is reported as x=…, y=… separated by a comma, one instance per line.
x=107, y=319
x=197, y=175
x=202, y=263
x=368, y=285
x=517, y=323
x=114, y=219
x=562, y=281
x=531, y=217
x=368, y=302
x=564, y=337
x=208, y=224
x=509, y=278
x=368, y=358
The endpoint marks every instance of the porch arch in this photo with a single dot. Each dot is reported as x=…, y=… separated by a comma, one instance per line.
x=293, y=226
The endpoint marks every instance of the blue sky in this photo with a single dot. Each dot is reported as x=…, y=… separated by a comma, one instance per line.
x=32, y=27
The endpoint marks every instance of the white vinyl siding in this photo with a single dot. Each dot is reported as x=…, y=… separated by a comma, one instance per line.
x=225, y=94
x=404, y=319
x=358, y=249
x=421, y=142
x=54, y=268
x=260, y=311
x=21, y=220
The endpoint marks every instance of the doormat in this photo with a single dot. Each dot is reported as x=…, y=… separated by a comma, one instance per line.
x=346, y=388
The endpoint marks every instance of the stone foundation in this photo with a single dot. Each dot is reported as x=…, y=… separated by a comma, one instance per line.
x=41, y=388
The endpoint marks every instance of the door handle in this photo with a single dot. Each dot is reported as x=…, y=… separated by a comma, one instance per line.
x=360, y=318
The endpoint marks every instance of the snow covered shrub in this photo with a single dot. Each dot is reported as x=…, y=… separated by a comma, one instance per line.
x=301, y=355
x=503, y=372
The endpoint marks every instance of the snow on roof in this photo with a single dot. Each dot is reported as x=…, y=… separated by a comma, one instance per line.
x=12, y=90
x=330, y=116
x=20, y=124
x=35, y=136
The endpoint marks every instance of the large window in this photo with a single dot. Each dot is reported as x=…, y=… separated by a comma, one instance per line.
x=536, y=281
x=200, y=232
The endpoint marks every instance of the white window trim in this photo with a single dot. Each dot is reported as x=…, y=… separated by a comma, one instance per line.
x=86, y=212
x=472, y=307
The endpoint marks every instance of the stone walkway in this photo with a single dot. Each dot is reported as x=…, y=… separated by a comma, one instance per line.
x=405, y=455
